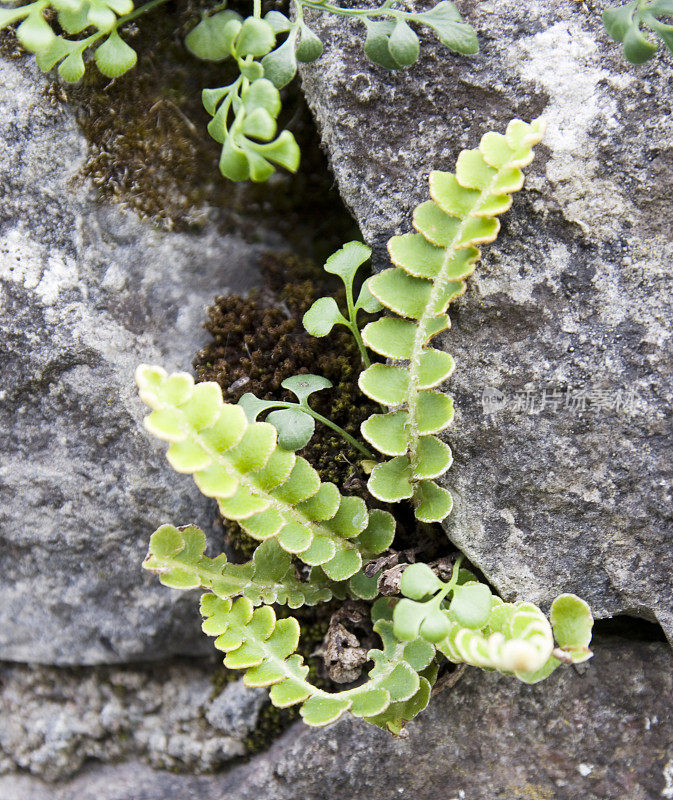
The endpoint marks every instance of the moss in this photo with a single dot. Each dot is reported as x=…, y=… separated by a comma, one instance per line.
x=9, y=44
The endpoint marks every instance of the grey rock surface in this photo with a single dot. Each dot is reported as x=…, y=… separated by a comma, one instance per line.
x=574, y=301
x=603, y=734
x=87, y=292
x=54, y=720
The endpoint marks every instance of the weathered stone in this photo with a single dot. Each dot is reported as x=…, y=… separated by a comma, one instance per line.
x=87, y=292
x=605, y=733
x=575, y=295
x=54, y=719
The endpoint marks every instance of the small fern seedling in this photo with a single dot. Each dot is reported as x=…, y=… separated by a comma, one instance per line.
x=99, y=21
x=295, y=422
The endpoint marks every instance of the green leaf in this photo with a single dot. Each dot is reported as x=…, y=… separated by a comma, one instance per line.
x=386, y=432
x=364, y=587
x=471, y=605
x=431, y=502
x=347, y=260
x=262, y=94
x=433, y=458
x=637, y=47
x=323, y=505
x=294, y=427
x=351, y=517
x=320, y=552
x=434, y=367
x=302, y=484
x=391, y=337
x=166, y=541
x=322, y=316
x=320, y=710
x=35, y=34
x=295, y=538
x=303, y=386
x=403, y=44
x=253, y=71
x=416, y=256
x=280, y=65
x=370, y=702
x=8, y=16
x=234, y=163
x=366, y=300
x=288, y=693
x=57, y=50
x=435, y=627
x=618, y=19
x=402, y=683
x=379, y=533
x=435, y=412
x=384, y=383
x=401, y=293
x=278, y=21
x=419, y=581
x=391, y=481
x=419, y=654
x=253, y=406
x=256, y=38
x=571, y=621
x=310, y=47
x=454, y=34
x=344, y=564
x=213, y=38
x=283, y=151
x=377, y=43
x=255, y=447
x=215, y=481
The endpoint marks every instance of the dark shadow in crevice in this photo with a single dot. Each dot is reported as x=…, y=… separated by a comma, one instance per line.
x=633, y=628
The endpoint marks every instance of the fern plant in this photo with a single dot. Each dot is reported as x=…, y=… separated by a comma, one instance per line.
x=317, y=544
x=265, y=47
x=431, y=267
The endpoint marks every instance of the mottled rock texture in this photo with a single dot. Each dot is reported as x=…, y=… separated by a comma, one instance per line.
x=576, y=296
x=53, y=720
x=603, y=734
x=87, y=291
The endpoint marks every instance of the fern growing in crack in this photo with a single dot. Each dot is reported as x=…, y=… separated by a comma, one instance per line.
x=252, y=470
x=430, y=269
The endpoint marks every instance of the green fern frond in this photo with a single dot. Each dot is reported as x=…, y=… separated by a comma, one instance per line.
x=514, y=639
x=254, y=640
x=431, y=267
x=269, y=491
x=176, y=555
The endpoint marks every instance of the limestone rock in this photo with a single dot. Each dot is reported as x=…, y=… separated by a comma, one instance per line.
x=87, y=292
x=55, y=719
x=603, y=734
x=571, y=308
